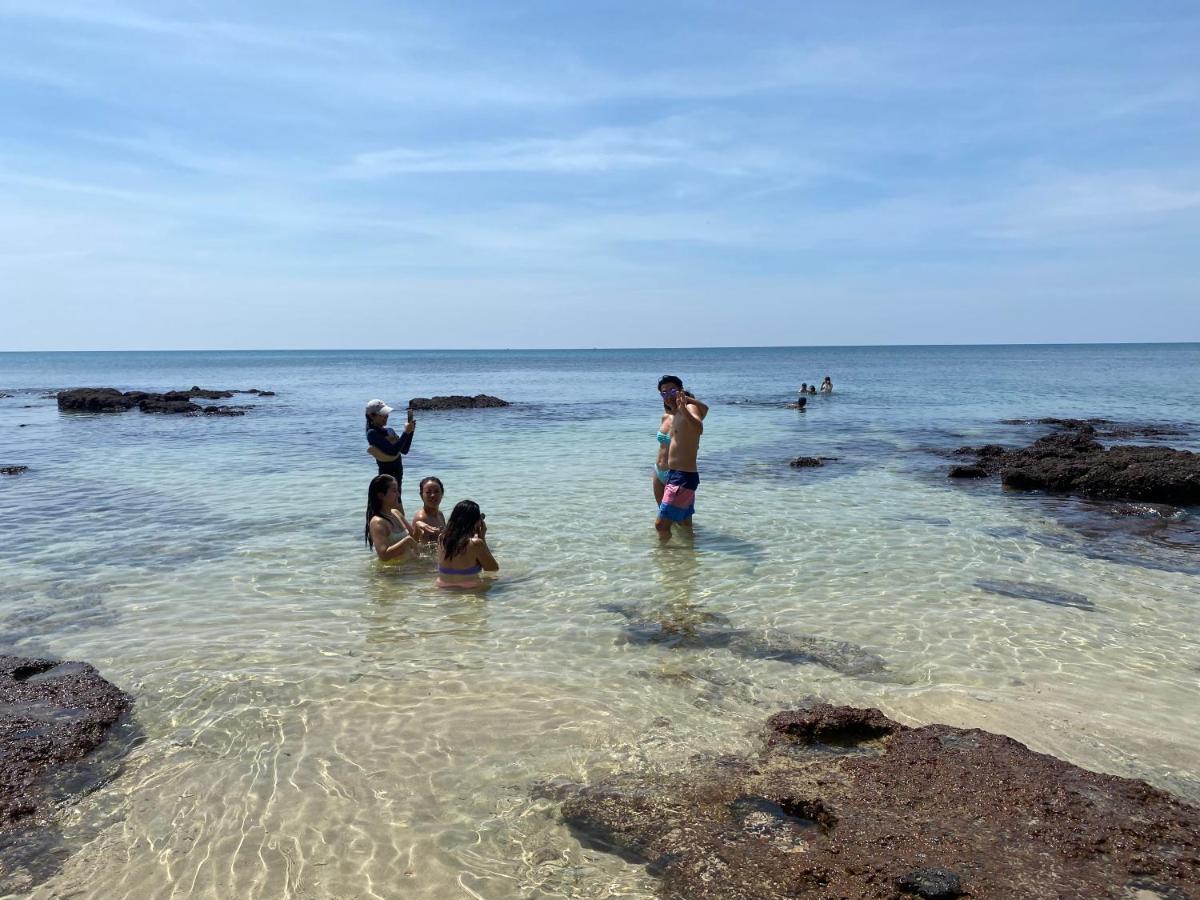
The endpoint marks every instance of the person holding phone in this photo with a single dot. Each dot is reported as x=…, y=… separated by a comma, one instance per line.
x=462, y=548
x=678, y=503
x=385, y=445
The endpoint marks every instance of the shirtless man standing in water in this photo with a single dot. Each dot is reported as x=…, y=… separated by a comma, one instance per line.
x=679, y=496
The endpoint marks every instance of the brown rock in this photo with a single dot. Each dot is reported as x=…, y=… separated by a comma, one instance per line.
x=170, y=402
x=51, y=714
x=1074, y=462
x=805, y=462
x=847, y=803
x=457, y=401
x=13, y=470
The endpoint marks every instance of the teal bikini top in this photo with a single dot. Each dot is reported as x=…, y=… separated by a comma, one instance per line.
x=664, y=438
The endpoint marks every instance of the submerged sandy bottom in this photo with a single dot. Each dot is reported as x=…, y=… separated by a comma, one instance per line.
x=312, y=724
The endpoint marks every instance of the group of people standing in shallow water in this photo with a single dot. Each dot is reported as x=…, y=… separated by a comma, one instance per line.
x=460, y=542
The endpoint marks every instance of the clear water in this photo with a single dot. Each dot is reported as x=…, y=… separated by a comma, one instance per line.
x=310, y=723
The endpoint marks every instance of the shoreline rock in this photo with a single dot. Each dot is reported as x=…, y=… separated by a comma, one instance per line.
x=111, y=400
x=845, y=802
x=456, y=401
x=1074, y=462
x=52, y=713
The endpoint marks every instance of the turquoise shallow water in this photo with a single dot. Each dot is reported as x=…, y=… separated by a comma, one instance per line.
x=312, y=724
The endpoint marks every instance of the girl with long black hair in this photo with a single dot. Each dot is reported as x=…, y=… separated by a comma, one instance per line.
x=462, y=548
x=387, y=532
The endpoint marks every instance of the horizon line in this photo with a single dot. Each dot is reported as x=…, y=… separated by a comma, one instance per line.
x=597, y=349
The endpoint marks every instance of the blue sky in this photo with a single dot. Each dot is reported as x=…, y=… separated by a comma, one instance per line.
x=370, y=174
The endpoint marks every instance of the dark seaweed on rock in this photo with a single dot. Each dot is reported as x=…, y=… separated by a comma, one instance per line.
x=701, y=630
x=1074, y=462
x=52, y=713
x=846, y=803
x=1043, y=593
x=457, y=401
x=105, y=400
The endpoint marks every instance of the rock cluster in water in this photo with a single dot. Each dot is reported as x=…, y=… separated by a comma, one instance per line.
x=806, y=462
x=13, y=470
x=51, y=714
x=457, y=401
x=177, y=402
x=846, y=803
x=1074, y=462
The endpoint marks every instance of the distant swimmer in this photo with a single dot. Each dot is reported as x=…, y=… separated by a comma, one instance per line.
x=683, y=476
x=385, y=445
x=801, y=402
x=827, y=386
x=812, y=389
x=803, y=387
x=428, y=523
x=387, y=532
x=463, y=552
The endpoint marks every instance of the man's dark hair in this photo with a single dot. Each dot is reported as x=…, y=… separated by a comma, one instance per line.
x=670, y=379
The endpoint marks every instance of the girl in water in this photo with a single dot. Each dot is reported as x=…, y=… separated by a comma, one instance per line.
x=462, y=548
x=658, y=481
x=429, y=522
x=387, y=532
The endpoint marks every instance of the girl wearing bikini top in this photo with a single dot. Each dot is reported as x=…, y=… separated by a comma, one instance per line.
x=658, y=481
x=387, y=531
x=462, y=548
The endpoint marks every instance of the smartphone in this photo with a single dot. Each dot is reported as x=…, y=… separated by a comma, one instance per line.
x=410, y=415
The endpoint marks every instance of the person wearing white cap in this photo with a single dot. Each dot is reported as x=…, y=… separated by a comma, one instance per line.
x=385, y=445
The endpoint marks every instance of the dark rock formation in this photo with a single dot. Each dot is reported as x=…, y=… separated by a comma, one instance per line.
x=13, y=470
x=1043, y=593
x=171, y=402
x=457, y=401
x=968, y=472
x=846, y=803
x=698, y=629
x=1059, y=423
x=933, y=884
x=1074, y=462
x=95, y=400
x=4, y=396
x=51, y=714
x=805, y=462
x=1104, y=427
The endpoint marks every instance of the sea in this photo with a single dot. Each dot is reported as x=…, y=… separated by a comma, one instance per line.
x=312, y=723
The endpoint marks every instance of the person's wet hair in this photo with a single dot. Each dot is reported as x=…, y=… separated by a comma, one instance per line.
x=460, y=527
x=672, y=380
x=378, y=487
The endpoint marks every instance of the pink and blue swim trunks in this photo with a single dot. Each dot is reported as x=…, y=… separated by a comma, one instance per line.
x=679, y=497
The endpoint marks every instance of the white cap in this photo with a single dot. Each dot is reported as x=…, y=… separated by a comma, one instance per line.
x=378, y=408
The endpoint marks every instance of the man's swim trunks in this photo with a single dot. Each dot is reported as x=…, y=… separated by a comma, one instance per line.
x=679, y=497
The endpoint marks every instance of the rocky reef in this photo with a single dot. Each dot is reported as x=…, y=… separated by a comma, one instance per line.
x=13, y=470
x=105, y=400
x=457, y=401
x=806, y=462
x=846, y=803
x=52, y=713
x=1072, y=461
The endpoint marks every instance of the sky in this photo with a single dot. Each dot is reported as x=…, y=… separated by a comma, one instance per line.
x=232, y=175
